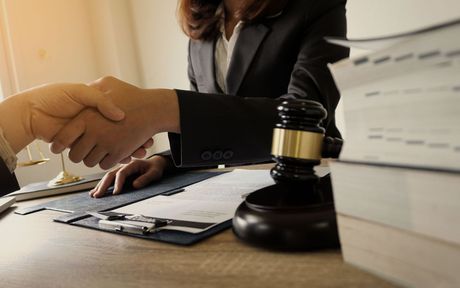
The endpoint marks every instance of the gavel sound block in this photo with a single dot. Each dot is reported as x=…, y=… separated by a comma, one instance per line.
x=297, y=213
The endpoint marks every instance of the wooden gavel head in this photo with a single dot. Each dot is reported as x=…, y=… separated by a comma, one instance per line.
x=297, y=141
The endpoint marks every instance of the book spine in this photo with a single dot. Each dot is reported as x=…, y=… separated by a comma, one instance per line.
x=399, y=256
x=418, y=201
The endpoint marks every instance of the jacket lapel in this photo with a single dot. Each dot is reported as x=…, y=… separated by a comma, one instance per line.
x=207, y=68
x=246, y=47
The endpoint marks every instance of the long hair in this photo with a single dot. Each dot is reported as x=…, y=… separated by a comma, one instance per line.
x=201, y=19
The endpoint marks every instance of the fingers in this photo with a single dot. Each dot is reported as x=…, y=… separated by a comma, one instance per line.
x=104, y=184
x=150, y=171
x=126, y=160
x=81, y=148
x=90, y=97
x=98, y=154
x=148, y=144
x=152, y=174
x=123, y=173
x=110, y=160
x=139, y=153
x=68, y=135
x=95, y=156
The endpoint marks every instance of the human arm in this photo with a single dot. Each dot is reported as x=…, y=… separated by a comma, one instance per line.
x=39, y=113
x=311, y=78
x=216, y=128
x=7, y=178
x=95, y=140
x=291, y=62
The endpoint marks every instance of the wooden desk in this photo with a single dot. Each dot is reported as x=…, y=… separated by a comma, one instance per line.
x=37, y=252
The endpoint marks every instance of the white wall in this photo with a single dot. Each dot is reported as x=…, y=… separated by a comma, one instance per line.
x=64, y=41
x=114, y=40
x=371, y=18
x=48, y=42
x=162, y=49
x=162, y=45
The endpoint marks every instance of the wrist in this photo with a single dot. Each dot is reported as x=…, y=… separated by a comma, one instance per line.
x=15, y=115
x=164, y=110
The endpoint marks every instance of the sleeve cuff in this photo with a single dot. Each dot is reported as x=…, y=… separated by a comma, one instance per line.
x=7, y=153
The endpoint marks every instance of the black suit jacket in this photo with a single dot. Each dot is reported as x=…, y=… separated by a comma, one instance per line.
x=280, y=57
x=8, y=181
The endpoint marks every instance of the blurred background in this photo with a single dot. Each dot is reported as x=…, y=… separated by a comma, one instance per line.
x=139, y=41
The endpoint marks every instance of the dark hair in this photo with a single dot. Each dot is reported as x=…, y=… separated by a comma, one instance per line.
x=201, y=20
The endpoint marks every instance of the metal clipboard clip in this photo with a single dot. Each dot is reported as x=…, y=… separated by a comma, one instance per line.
x=132, y=224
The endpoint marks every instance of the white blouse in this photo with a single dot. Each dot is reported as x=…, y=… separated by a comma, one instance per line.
x=223, y=54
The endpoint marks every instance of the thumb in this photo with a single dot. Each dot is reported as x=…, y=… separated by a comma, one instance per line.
x=111, y=111
x=92, y=97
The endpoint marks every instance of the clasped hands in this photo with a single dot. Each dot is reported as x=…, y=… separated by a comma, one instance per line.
x=105, y=123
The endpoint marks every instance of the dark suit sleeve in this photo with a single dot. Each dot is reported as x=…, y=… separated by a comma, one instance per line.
x=193, y=87
x=7, y=180
x=211, y=134
x=218, y=128
x=311, y=78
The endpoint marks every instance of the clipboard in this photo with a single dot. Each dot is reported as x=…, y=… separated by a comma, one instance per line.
x=168, y=236
x=78, y=205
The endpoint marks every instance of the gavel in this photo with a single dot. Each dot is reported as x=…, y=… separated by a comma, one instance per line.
x=296, y=213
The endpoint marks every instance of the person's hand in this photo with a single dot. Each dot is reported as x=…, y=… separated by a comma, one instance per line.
x=149, y=170
x=40, y=112
x=93, y=139
x=139, y=153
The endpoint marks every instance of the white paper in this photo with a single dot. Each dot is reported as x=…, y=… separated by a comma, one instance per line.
x=211, y=201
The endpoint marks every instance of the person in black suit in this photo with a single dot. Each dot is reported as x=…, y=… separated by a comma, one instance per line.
x=245, y=57
x=41, y=112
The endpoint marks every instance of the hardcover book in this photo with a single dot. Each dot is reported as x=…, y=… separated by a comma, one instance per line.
x=42, y=189
x=6, y=202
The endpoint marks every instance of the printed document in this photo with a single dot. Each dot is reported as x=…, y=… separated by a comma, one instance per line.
x=211, y=201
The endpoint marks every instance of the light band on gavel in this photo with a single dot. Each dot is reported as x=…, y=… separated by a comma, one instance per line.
x=297, y=141
x=297, y=144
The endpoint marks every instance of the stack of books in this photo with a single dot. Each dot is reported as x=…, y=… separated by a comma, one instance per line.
x=397, y=182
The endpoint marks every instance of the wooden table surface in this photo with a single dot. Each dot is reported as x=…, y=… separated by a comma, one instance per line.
x=37, y=252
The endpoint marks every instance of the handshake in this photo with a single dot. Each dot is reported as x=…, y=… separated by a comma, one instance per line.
x=105, y=123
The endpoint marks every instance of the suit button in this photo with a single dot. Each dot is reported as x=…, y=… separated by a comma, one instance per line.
x=206, y=155
x=217, y=155
x=228, y=154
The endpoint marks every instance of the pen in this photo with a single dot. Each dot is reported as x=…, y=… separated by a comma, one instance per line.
x=119, y=226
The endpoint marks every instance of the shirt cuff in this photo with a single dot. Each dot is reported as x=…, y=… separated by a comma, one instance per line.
x=7, y=153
